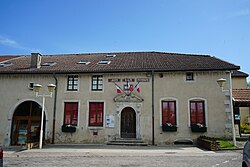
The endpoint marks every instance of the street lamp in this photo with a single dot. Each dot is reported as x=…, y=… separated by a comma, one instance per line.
x=221, y=82
x=36, y=89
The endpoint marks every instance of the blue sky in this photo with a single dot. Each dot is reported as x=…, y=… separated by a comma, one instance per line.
x=219, y=28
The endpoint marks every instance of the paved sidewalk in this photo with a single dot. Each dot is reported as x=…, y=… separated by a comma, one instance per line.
x=104, y=149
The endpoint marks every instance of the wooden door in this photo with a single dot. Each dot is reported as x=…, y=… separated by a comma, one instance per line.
x=128, y=123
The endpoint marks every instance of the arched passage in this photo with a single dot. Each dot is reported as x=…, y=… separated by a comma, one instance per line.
x=26, y=123
x=128, y=123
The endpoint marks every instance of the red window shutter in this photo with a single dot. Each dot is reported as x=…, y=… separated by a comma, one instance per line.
x=96, y=114
x=197, y=112
x=172, y=113
x=169, y=112
x=71, y=113
x=200, y=113
x=164, y=112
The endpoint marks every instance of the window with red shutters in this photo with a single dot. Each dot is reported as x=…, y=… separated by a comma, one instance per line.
x=169, y=112
x=96, y=113
x=197, y=112
x=71, y=113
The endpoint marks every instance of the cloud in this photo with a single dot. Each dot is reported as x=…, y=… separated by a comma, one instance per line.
x=14, y=44
x=240, y=13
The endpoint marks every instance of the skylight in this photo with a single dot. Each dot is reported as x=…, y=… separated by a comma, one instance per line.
x=48, y=64
x=5, y=64
x=83, y=62
x=104, y=62
x=110, y=55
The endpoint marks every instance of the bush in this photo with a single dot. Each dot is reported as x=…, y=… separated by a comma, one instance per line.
x=245, y=128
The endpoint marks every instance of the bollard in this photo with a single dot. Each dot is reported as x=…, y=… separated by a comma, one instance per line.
x=1, y=157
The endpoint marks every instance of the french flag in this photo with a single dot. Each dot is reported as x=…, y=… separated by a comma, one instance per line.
x=130, y=87
x=138, y=88
x=118, y=90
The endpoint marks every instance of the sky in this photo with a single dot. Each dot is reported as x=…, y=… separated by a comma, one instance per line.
x=219, y=28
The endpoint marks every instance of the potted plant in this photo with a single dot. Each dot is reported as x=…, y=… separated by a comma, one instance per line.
x=68, y=128
x=198, y=128
x=168, y=127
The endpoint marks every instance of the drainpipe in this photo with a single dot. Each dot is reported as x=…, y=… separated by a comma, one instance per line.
x=153, y=111
x=231, y=107
x=54, y=112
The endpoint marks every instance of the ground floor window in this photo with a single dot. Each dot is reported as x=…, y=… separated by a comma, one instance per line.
x=197, y=112
x=96, y=113
x=71, y=113
x=169, y=112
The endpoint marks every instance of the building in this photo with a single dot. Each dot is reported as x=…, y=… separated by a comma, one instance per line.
x=155, y=97
x=241, y=98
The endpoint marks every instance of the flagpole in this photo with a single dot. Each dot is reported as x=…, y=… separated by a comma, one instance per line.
x=120, y=88
x=133, y=88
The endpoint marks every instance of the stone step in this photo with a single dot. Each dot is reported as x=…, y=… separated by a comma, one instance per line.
x=127, y=142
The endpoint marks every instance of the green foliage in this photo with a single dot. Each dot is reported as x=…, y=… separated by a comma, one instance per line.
x=245, y=128
x=225, y=144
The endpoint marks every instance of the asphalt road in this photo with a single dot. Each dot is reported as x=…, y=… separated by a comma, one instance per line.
x=123, y=157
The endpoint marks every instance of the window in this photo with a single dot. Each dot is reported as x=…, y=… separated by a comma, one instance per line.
x=97, y=83
x=104, y=62
x=189, y=76
x=83, y=62
x=5, y=64
x=72, y=83
x=110, y=55
x=48, y=64
x=71, y=113
x=169, y=112
x=96, y=114
x=197, y=113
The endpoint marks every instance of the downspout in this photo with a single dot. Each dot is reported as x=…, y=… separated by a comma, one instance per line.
x=54, y=112
x=153, y=111
x=231, y=106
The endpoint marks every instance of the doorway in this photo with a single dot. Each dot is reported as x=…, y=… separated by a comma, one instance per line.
x=128, y=123
x=26, y=123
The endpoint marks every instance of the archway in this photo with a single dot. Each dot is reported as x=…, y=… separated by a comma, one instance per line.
x=128, y=123
x=26, y=123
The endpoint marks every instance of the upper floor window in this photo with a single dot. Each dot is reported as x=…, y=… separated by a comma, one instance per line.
x=71, y=113
x=96, y=113
x=169, y=112
x=97, y=83
x=189, y=76
x=197, y=112
x=72, y=84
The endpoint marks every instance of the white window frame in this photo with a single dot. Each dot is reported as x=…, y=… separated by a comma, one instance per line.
x=78, y=115
x=104, y=115
x=205, y=107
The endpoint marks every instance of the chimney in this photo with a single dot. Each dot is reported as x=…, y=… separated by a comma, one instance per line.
x=36, y=59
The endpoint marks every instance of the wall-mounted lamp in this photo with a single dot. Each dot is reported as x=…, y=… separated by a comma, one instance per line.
x=221, y=82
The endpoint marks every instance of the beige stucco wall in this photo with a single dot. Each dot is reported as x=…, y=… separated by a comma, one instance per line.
x=239, y=82
x=14, y=90
x=171, y=85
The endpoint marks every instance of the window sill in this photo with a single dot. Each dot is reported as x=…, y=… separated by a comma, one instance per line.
x=95, y=127
x=197, y=128
x=69, y=129
x=167, y=128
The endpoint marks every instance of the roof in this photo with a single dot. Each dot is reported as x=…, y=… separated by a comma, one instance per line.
x=4, y=58
x=237, y=73
x=241, y=97
x=122, y=62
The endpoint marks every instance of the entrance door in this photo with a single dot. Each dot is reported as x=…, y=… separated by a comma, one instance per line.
x=128, y=123
x=26, y=123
